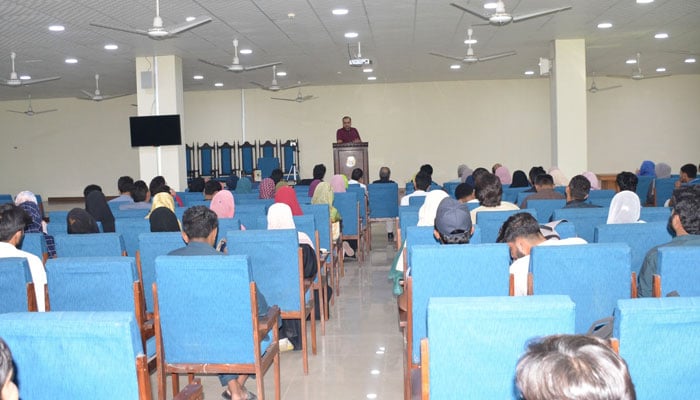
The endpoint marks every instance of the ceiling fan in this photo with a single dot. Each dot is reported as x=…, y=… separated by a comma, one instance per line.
x=638, y=75
x=30, y=111
x=299, y=99
x=470, y=58
x=595, y=89
x=236, y=65
x=158, y=31
x=97, y=95
x=15, y=81
x=501, y=17
x=274, y=86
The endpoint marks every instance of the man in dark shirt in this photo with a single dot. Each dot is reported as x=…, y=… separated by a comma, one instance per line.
x=544, y=184
x=577, y=193
x=347, y=134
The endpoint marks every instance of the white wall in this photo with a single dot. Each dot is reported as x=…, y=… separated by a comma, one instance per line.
x=441, y=123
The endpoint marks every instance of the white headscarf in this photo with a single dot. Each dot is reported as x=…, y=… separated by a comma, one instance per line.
x=624, y=208
x=426, y=214
x=279, y=216
x=558, y=176
x=25, y=196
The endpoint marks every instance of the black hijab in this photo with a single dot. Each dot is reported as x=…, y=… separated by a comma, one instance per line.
x=519, y=179
x=80, y=221
x=96, y=205
x=163, y=220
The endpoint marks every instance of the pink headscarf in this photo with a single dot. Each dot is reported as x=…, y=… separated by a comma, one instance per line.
x=267, y=188
x=595, y=184
x=223, y=205
x=338, y=183
x=504, y=175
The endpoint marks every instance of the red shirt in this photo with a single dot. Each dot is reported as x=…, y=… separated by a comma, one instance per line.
x=347, y=136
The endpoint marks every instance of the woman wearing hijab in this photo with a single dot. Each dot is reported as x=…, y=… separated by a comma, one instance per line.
x=519, y=179
x=339, y=183
x=96, y=205
x=162, y=199
x=223, y=204
x=662, y=170
x=558, y=176
x=266, y=189
x=162, y=219
x=647, y=168
x=624, y=208
x=27, y=200
x=593, y=178
x=504, y=175
x=324, y=195
x=80, y=221
x=288, y=196
x=426, y=213
x=244, y=185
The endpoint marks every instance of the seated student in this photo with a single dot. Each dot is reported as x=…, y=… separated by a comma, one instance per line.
x=544, y=186
x=318, y=173
x=532, y=174
x=421, y=182
x=521, y=232
x=277, y=177
x=211, y=188
x=577, y=193
x=8, y=390
x=573, y=367
x=593, y=179
x=141, y=196
x=558, y=177
x=197, y=185
x=489, y=192
x=688, y=176
x=453, y=225
x=356, y=178
x=266, y=190
x=519, y=179
x=199, y=229
x=125, y=185
x=27, y=201
x=626, y=181
x=162, y=199
x=13, y=219
x=159, y=185
x=80, y=222
x=96, y=205
x=163, y=220
x=428, y=169
x=464, y=192
x=504, y=175
x=625, y=208
x=385, y=177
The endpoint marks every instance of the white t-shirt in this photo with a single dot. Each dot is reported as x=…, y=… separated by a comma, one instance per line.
x=36, y=267
x=404, y=199
x=520, y=267
x=504, y=206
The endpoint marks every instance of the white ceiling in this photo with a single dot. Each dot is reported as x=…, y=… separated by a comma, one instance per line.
x=396, y=34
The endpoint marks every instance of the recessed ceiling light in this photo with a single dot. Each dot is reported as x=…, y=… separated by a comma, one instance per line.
x=367, y=70
x=529, y=72
x=604, y=25
x=25, y=77
x=470, y=41
x=644, y=1
x=631, y=61
x=689, y=60
x=455, y=66
x=375, y=372
x=246, y=51
x=371, y=396
x=190, y=19
x=57, y=28
x=71, y=60
x=351, y=35
x=219, y=84
x=198, y=77
x=491, y=5
x=661, y=35
x=340, y=11
x=661, y=69
x=374, y=78
x=111, y=47
x=281, y=73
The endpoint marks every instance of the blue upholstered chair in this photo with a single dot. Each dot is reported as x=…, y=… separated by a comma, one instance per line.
x=18, y=291
x=664, y=189
x=189, y=197
x=348, y=206
x=35, y=243
x=566, y=230
x=78, y=355
x=511, y=194
x=473, y=344
x=383, y=204
x=192, y=203
x=678, y=269
x=408, y=216
x=639, y=237
x=595, y=276
x=227, y=224
x=490, y=222
x=130, y=229
x=207, y=320
x=90, y=245
x=361, y=195
x=450, y=188
x=6, y=198
x=322, y=220
x=152, y=245
x=601, y=197
x=584, y=219
x=660, y=341
x=416, y=201
x=643, y=184
x=545, y=208
x=653, y=214
x=275, y=257
x=132, y=214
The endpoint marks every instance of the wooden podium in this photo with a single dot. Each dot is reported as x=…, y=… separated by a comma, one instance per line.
x=348, y=156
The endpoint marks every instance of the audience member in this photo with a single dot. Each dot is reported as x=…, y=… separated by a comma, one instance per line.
x=519, y=179
x=626, y=181
x=8, y=390
x=266, y=190
x=96, y=205
x=421, y=182
x=532, y=174
x=476, y=175
x=91, y=188
x=197, y=185
x=356, y=178
x=685, y=224
x=277, y=176
x=463, y=171
x=244, y=185
x=27, y=201
x=339, y=183
x=426, y=212
x=648, y=168
x=688, y=176
x=453, y=225
x=141, y=196
x=489, y=192
x=232, y=182
x=385, y=177
x=521, y=232
x=318, y=174
x=81, y=222
x=558, y=176
x=223, y=204
x=504, y=175
x=662, y=170
x=162, y=199
x=324, y=195
x=125, y=185
x=163, y=220
x=544, y=185
x=288, y=196
x=593, y=179
x=428, y=169
x=13, y=220
x=464, y=192
x=577, y=193
x=573, y=367
x=625, y=208
x=495, y=167
x=211, y=188
x=159, y=185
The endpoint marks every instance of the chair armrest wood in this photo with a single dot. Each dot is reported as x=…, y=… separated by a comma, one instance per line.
x=633, y=287
x=193, y=391
x=656, y=286
x=31, y=297
x=269, y=321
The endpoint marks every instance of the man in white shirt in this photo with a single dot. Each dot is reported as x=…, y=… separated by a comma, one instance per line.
x=421, y=182
x=522, y=232
x=13, y=219
x=356, y=178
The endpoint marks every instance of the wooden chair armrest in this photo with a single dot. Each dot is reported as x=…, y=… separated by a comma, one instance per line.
x=656, y=286
x=31, y=298
x=193, y=391
x=633, y=287
x=269, y=321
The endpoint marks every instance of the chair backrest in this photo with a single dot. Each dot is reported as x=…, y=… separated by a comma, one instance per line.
x=130, y=229
x=35, y=243
x=454, y=271
x=306, y=224
x=511, y=194
x=383, y=200
x=188, y=197
x=362, y=199
x=450, y=188
x=58, y=215
x=14, y=277
x=192, y=203
x=486, y=336
x=408, y=216
x=652, y=214
x=601, y=198
x=89, y=245
x=152, y=245
x=664, y=189
x=566, y=230
x=545, y=208
x=74, y=355
x=679, y=269
x=348, y=206
x=139, y=213
x=228, y=224
x=490, y=222
x=643, y=184
x=585, y=220
x=639, y=237
x=416, y=201
x=595, y=276
x=322, y=218
x=91, y=283
x=204, y=302
x=660, y=341
x=274, y=256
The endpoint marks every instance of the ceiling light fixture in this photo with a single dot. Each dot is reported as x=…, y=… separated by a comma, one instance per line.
x=111, y=47
x=491, y=5
x=371, y=396
x=281, y=73
x=455, y=66
x=661, y=69
x=198, y=77
x=374, y=78
x=529, y=72
x=57, y=28
x=375, y=372
x=367, y=70
x=291, y=15
x=351, y=35
x=246, y=51
x=644, y=1
x=631, y=61
x=604, y=25
x=219, y=84
x=470, y=41
x=689, y=60
x=25, y=77
x=340, y=11
x=661, y=35
x=71, y=60
x=190, y=19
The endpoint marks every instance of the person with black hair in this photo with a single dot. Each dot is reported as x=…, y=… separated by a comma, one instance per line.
x=96, y=205
x=347, y=134
x=125, y=185
x=428, y=169
x=197, y=185
x=688, y=176
x=685, y=223
x=91, y=188
x=626, y=181
x=158, y=185
x=318, y=173
x=421, y=182
x=8, y=389
x=464, y=192
x=577, y=193
x=532, y=175
x=356, y=178
x=211, y=187
x=544, y=185
x=13, y=220
x=80, y=222
x=277, y=176
x=141, y=196
x=489, y=192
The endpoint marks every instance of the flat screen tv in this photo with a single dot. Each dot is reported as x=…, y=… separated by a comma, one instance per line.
x=155, y=130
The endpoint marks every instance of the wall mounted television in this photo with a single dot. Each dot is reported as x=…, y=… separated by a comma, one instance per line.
x=155, y=130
